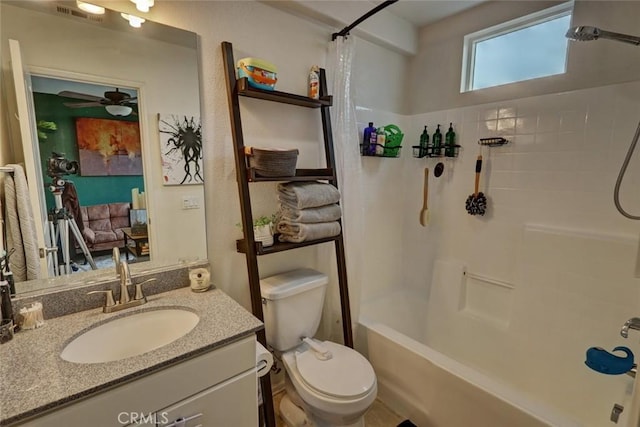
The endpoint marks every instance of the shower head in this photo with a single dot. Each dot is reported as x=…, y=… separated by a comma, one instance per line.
x=585, y=33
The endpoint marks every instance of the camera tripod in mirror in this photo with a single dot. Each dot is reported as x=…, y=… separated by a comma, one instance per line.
x=60, y=219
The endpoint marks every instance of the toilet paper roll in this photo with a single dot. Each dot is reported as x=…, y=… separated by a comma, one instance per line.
x=264, y=360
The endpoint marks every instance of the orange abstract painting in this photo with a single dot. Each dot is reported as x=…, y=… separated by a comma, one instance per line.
x=108, y=147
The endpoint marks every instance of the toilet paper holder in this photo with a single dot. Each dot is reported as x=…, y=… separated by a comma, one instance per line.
x=264, y=360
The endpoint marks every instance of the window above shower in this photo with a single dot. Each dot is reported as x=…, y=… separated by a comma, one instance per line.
x=525, y=48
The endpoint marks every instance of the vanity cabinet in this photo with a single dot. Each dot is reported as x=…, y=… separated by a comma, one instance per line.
x=221, y=385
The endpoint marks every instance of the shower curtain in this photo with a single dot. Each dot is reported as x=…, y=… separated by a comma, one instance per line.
x=348, y=164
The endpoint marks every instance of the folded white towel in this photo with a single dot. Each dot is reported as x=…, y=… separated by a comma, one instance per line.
x=310, y=215
x=308, y=194
x=296, y=232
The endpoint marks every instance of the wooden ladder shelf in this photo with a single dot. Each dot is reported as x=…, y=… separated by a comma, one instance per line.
x=244, y=175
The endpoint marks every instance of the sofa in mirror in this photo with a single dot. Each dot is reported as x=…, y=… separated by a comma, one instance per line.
x=157, y=65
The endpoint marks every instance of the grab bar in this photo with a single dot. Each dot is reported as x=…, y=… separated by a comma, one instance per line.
x=489, y=280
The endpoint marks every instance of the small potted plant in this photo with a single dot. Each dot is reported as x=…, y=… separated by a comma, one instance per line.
x=263, y=228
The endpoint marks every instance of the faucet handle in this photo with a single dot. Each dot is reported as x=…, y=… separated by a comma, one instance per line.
x=109, y=301
x=115, y=256
x=139, y=295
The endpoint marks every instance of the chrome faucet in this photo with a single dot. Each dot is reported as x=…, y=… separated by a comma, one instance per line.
x=124, y=300
x=633, y=323
x=125, y=282
x=116, y=260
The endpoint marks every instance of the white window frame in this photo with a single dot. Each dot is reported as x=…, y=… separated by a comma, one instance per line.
x=470, y=40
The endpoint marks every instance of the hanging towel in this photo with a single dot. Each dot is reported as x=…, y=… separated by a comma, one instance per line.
x=307, y=194
x=71, y=203
x=296, y=232
x=20, y=224
x=310, y=215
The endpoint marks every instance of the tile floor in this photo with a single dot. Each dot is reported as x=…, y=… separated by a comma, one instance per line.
x=379, y=415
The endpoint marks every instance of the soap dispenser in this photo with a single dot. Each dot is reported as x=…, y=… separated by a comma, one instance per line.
x=424, y=142
x=437, y=142
x=450, y=142
x=5, y=304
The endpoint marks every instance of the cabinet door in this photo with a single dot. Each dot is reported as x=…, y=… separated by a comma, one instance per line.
x=233, y=403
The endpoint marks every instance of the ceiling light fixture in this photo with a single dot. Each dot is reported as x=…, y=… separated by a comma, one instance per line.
x=118, y=110
x=90, y=8
x=143, y=5
x=134, y=21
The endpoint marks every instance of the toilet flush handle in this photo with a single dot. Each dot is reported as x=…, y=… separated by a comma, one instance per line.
x=320, y=351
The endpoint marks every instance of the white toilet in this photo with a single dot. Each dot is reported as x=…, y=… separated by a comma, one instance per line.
x=333, y=384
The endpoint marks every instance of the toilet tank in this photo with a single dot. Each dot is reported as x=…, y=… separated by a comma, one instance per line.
x=292, y=306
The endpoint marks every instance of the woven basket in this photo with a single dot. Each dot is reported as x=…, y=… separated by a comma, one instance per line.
x=272, y=162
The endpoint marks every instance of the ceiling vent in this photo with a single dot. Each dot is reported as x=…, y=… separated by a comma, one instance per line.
x=77, y=13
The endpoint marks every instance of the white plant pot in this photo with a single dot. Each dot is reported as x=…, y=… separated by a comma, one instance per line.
x=264, y=234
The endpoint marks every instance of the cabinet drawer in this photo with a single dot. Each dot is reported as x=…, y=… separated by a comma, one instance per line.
x=231, y=403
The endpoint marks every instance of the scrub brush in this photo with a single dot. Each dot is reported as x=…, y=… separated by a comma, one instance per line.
x=476, y=203
x=424, y=213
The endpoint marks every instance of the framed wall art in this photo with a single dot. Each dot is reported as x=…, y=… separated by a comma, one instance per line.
x=181, y=149
x=108, y=147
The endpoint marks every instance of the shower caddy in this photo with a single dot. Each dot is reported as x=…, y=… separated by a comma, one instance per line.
x=246, y=175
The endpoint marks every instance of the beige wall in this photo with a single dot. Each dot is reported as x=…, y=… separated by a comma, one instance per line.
x=435, y=71
x=293, y=44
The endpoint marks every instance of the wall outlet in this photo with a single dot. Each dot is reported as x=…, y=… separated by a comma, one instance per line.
x=190, y=202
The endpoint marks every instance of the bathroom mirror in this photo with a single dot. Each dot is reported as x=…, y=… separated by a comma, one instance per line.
x=160, y=63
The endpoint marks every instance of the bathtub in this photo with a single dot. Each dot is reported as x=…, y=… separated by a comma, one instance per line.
x=430, y=388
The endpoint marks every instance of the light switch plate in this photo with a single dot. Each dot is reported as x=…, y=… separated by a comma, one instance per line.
x=190, y=202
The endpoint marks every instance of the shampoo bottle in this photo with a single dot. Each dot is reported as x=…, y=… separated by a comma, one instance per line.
x=437, y=142
x=381, y=138
x=424, y=142
x=314, y=82
x=450, y=142
x=366, y=139
x=373, y=142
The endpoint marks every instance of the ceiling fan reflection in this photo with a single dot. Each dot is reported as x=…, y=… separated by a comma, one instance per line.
x=115, y=102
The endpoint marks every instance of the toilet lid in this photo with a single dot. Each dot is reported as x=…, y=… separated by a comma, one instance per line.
x=346, y=374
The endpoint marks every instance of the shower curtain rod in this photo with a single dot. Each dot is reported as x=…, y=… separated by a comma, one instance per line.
x=345, y=30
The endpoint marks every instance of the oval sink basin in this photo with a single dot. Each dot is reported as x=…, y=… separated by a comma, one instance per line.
x=130, y=336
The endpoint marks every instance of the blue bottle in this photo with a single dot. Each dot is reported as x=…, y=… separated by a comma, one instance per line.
x=366, y=140
x=373, y=142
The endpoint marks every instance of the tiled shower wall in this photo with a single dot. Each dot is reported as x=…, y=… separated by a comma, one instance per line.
x=558, y=169
x=551, y=233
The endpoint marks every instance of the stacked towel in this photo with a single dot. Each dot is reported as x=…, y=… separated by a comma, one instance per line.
x=308, y=211
x=310, y=215
x=307, y=194
x=298, y=232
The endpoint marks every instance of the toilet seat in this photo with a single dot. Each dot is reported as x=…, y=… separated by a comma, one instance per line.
x=347, y=375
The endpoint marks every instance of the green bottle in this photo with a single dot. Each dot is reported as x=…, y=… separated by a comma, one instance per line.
x=424, y=142
x=450, y=142
x=437, y=142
